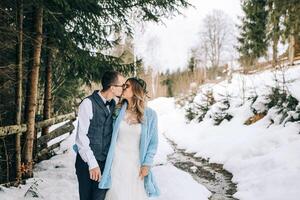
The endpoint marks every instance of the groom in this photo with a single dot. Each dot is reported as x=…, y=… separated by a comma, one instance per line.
x=93, y=135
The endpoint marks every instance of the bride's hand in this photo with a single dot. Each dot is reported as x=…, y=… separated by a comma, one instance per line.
x=144, y=172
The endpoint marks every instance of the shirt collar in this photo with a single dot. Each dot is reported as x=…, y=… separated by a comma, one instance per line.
x=102, y=97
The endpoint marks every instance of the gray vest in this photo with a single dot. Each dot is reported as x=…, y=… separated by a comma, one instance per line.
x=100, y=129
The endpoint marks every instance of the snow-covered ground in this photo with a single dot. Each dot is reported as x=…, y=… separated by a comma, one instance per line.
x=265, y=162
x=55, y=179
x=263, y=158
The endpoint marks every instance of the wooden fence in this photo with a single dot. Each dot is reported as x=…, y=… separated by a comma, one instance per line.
x=267, y=65
x=41, y=150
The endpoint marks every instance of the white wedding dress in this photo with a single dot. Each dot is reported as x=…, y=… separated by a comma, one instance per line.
x=126, y=183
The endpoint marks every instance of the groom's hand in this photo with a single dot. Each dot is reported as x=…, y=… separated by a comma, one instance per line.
x=95, y=174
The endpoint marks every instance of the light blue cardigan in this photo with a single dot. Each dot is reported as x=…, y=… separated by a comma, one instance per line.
x=148, y=147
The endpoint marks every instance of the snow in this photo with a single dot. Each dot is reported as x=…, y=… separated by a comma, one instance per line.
x=55, y=179
x=259, y=83
x=263, y=157
x=264, y=161
x=176, y=184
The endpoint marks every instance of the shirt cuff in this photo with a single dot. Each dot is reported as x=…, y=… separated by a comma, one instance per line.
x=92, y=163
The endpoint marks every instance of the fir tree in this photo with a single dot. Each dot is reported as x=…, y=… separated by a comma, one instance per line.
x=253, y=39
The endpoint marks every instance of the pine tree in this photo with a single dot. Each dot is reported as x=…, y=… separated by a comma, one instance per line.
x=64, y=46
x=267, y=22
x=290, y=11
x=273, y=30
x=284, y=22
x=19, y=87
x=33, y=92
x=253, y=38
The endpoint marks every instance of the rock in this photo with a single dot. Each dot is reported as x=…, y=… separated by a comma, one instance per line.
x=194, y=169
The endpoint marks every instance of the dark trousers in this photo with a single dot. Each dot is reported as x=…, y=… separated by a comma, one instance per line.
x=88, y=189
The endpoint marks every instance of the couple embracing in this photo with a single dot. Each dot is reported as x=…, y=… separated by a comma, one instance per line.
x=116, y=141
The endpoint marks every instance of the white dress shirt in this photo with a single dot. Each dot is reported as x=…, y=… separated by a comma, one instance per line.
x=85, y=114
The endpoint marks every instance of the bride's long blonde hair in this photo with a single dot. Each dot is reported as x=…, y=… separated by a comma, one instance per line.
x=139, y=98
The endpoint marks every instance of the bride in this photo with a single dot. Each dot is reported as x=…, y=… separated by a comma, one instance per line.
x=127, y=173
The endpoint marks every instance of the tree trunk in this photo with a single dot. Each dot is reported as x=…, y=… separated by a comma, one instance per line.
x=275, y=51
x=19, y=87
x=291, y=54
x=34, y=78
x=48, y=86
x=297, y=45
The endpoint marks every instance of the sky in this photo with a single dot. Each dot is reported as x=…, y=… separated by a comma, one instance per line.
x=167, y=46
